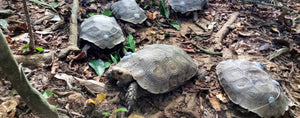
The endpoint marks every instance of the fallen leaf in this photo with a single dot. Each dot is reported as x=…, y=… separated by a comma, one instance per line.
x=246, y=34
x=98, y=65
x=100, y=98
x=215, y=104
x=9, y=40
x=175, y=25
x=160, y=37
x=221, y=97
x=8, y=108
x=133, y=115
x=3, y=23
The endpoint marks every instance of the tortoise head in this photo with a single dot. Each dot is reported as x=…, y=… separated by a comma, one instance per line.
x=123, y=76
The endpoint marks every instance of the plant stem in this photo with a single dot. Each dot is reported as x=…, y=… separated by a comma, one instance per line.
x=32, y=43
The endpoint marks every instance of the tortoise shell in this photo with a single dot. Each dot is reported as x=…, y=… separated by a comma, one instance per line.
x=102, y=31
x=184, y=6
x=159, y=68
x=128, y=10
x=249, y=86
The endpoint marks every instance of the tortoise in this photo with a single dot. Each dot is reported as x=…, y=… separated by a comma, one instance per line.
x=157, y=68
x=250, y=87
x=101, y=34
x=129, y=11
x=184, y=6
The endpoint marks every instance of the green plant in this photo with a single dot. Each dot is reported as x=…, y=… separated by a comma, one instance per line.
x=163, y=9
x=130, y=44
x=115, y=112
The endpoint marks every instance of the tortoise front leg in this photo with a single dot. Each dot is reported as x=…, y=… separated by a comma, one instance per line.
x=131, y=96
x=195, y=16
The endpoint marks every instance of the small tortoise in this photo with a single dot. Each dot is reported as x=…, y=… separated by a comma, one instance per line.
x=129, y=11
x=156, y=68
x=249, y=86
x=101, y=34
x=184, y=6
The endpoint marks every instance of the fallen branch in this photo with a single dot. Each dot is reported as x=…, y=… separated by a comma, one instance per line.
x=224, y=30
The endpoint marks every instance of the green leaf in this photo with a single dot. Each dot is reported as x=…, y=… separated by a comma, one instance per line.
x=175, y=25
x=146, y=6
x=54, y=4
x=121, y=109
x=47, y=94
x=15, y=92
x=98, y=65
x=26, y=47
x=106, y=114
x=91, y=14
x=3, y=23
x=113, y=59
x=107, y=64
x=166, y=34
x=162, y=9
x=130, y=44
x=108, y=13
x=153, y=3
x=39, y=49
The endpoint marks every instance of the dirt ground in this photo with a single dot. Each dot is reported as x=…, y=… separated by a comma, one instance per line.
x=258, y=31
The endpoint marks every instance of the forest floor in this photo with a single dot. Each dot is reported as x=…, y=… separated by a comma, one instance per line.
x=256, y=31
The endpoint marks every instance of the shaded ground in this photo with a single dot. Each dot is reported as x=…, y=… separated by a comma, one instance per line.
x=257, y=32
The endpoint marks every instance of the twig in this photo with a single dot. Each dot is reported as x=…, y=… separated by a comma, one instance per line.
x=55, y=25
x=224, y=30
x=207, y=51
x=32, y=43
x=278, y=52
x=71, y=112
x=73, y=25
x=6, y=13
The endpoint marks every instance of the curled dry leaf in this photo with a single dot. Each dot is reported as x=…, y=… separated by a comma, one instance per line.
x=152, y=16
x=215, y=104
x=8, y=108
x=133, y=115
x=100, y=98
x=221, y=97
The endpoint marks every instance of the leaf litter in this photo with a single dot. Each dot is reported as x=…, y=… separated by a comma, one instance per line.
x=250, y=37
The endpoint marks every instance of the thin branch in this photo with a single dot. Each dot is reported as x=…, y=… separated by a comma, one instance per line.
x=32, y=43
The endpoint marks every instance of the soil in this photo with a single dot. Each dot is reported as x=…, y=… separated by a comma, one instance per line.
x=257, y=32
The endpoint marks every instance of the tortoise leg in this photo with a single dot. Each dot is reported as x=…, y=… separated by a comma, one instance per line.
x=83, y=52
x=195, y=16
x=131, y=95
x=129, y=28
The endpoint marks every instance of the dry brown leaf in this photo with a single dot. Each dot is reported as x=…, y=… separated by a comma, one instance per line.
x=215, y=104
x=221, y=97
x=133, y=115
x=8, y=108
